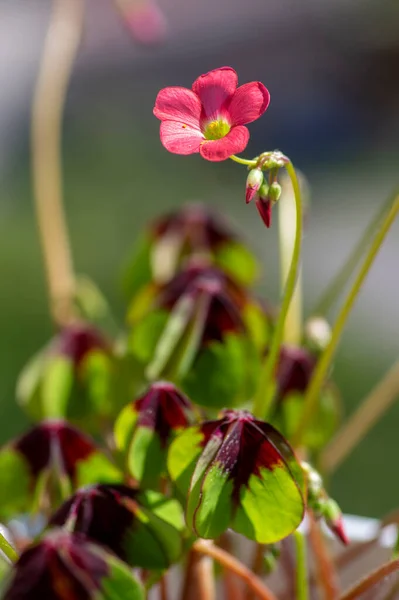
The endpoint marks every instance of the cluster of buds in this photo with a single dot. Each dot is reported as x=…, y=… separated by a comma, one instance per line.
x=321, y=505
x=266, y=193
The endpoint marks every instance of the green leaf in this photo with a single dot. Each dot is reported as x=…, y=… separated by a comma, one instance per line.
x=120, y=583
x=224, y=373
x=182, y=458
x=146, y=457
x=145, y=334
x=97, y=468
x=138, y=271
x=270, y=508
x=15, y=490
x=238, y=261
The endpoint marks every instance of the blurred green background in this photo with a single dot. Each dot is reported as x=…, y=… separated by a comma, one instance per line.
x=334, y=111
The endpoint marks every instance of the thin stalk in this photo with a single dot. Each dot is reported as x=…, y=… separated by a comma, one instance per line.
x=163, y=588
x=324, y=363
x=264, y=393
x=230, y=562
x=60, y=49
x=287, y=226
x=189, y=576
x=338, y=283
x=326, y=574
x=359, y=424
x=258, y=562
x=8, y=550
x=243, y=161
x=302, y=588
x=369, y=581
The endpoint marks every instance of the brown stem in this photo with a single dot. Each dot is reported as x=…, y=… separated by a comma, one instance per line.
x=163, y=588
x=326, y=574
x=370, y=410
x=368, y=582
x=60, y=49
x=230, y=562
x=257, y=566
x=199, y=583
x=189, y=576
x=231, y=583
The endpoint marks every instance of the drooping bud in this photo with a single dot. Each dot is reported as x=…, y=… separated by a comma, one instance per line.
x=67, y=565
x=238, y=472
x=322, y=506
x=264, y=205
x=253, y=184
x=141, y=528
x=145, y=428
x=332, y=515
x=317, y=333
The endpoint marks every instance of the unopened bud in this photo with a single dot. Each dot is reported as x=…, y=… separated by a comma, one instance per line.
x=333, y=517
x=318, y=333
x=265, y=210
x=274, y=191
x=254, y=182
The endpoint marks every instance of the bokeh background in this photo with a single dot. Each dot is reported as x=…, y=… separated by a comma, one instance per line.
x=332, y=70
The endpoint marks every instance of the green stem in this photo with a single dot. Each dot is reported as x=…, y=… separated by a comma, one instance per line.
x=243, y=161
x=324, y=362
x=336, y=286
x=7, y=549
x=287, y=227
x=264, y=393
x=302, y=589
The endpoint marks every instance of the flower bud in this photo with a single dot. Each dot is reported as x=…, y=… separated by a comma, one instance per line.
x=274, y=192
x=322, y=505
x=318, y=333
x=333, y=517
x=254, y=182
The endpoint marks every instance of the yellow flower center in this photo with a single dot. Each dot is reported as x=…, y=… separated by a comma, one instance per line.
x=216, y=130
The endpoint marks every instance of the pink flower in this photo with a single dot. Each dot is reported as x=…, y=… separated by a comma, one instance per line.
x=210, y=117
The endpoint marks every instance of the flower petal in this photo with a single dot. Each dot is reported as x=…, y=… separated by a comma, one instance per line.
x=248, y=103
x=178, y=104
x=180, y=138
x=234, y=142
x=214, y=89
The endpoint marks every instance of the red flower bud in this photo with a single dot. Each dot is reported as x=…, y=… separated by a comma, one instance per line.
x=254, y=182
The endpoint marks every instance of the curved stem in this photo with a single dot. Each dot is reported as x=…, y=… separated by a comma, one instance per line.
x=230, y=562
x=369, y=412
x=264, y=393
x=243, y=161
x=324, y=362
x=336, y=286
x=60, y=48
x=8, y=550
x=302, y=588
x=368, y=582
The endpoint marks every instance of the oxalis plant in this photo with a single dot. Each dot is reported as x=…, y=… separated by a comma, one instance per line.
x=211, y=417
